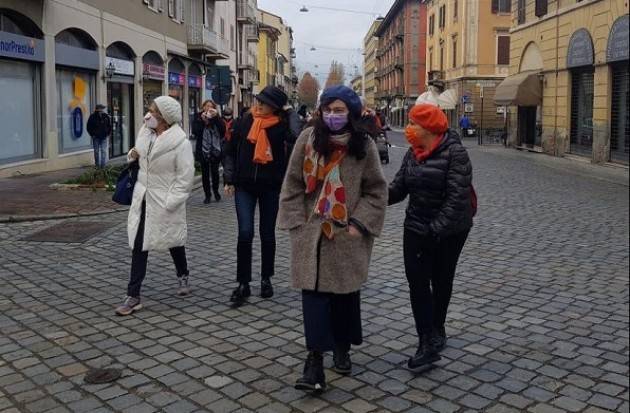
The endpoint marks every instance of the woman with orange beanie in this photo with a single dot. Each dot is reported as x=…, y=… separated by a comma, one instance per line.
x=436, y=173
x=254, y=165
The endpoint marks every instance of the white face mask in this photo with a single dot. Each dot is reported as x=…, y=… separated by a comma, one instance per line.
x=150, y=121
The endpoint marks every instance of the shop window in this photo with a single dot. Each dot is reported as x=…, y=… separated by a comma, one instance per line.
x=503, y=50
x=541, y=7
x=19, y=116
x=75, y=103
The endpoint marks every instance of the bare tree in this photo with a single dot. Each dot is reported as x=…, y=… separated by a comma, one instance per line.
x=308, y=90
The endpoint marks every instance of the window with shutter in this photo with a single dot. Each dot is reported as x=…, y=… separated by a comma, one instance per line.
x=503, y=50
x=171, y=9
x=495, y=6
x=454, y=52
x=431, y=24
x=541, y=8
x=430, y=59
x=182, y=10
x=455, y=9
x=441, y=58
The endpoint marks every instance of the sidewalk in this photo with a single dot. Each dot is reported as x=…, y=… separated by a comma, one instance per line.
x=29, y=197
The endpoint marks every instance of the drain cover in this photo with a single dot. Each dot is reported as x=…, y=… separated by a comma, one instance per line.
x=100, y=376
x=68, y=232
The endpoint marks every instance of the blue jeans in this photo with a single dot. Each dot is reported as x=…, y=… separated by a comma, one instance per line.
x=268, y=204
x=100, y=152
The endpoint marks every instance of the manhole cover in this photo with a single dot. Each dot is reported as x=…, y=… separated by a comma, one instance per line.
x=100, y=376
x=68, y=232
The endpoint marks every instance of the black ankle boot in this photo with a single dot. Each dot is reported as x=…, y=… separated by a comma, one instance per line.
x=439, y=338
x=217, y=196
x=341, y=359
x=266, y=289
x=240, y=294
x=313, y=379
x=426, y=354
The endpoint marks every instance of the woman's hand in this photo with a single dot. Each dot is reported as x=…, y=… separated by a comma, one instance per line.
x=353, y=231
x=229, y=190
x=133, y=154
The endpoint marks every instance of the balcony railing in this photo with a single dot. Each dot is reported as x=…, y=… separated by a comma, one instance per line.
x=202, y=38
x=251, y=33
x=399, y=62
x=245, y=12
x=246, y=62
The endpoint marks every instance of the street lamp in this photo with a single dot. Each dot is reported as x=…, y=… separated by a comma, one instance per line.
x=304, y=9
x=110, y=70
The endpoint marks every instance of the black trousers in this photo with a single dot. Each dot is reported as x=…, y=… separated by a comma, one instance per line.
x=331, y=320
x=139, y=259
x=210, y=169
x=430, y=269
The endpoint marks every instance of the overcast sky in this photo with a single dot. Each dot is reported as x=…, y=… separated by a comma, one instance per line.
x=323, y=29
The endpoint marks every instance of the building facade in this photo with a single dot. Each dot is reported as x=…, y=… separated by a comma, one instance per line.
x=568, y=84
x=59, y=58
x=468, y=45
x=356, y=83
x=401, y=68
x=370, y=46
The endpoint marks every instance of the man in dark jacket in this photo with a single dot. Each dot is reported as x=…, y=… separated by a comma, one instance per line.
x=99, y=126
x=436, y=174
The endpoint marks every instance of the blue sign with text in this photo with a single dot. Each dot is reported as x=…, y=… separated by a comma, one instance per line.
x=21, y=47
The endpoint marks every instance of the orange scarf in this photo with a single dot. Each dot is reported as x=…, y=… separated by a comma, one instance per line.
x=258, y=136
x=417, y=144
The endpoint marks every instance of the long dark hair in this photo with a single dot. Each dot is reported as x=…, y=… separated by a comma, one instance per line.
x=359, y=128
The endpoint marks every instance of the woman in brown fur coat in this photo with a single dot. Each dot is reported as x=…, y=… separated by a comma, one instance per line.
x=333, y=203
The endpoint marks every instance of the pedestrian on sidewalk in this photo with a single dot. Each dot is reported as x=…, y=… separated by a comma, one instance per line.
x=333, y=203
x=254, y=165
x=157, y=217
x=436, y=173
x=209, y=131
x=99, y=127
x=464, y=125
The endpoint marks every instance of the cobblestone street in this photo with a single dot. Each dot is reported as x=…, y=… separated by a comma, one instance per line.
x=538, y=322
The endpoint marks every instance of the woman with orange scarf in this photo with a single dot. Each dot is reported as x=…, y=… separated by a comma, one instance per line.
x=254, y=165
x=436, y=173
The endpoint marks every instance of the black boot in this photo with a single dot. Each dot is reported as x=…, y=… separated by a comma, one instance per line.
x=266, y=289
x=439, y=338
x=206, y=200
x=341, y=359
x=217, y=196
x=425, y=356
x=313, y=379
x=240, y=294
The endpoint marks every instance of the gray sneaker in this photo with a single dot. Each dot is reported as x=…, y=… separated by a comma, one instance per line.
x=183, y=289
x=128, y=306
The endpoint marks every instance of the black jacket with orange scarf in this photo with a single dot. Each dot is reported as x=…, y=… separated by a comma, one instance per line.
x=239, y=168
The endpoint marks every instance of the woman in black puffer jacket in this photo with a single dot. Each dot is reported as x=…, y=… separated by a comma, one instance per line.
x=437, y=175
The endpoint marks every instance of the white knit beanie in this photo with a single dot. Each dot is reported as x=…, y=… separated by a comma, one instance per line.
x=169, y=108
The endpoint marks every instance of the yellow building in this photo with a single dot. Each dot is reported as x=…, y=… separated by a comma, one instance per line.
x=370, y=44
x=267, y=55
x=285, y=76
x=568, y=87
x=468, y=56
x=357, y=84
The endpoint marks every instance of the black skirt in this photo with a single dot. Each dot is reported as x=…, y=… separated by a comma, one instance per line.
x=331, y=320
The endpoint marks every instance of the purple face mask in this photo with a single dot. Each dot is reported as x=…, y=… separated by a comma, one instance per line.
x=336, y=121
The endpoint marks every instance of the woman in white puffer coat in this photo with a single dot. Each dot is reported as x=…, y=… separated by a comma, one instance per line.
x=157, y=217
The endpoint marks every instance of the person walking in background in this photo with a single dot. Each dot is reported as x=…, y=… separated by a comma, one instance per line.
x=464, y=125
x=209, y=132
x=333, y=203
x=254, y=165
x=436, y=173
x=157, y=217
x=99, y=127
x=228, y=122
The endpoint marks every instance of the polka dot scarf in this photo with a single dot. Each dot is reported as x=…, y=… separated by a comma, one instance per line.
x=331, y=204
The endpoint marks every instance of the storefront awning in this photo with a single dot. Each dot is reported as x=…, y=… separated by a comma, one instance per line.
x=431, y=97
x=448, y=99
x=521, y=89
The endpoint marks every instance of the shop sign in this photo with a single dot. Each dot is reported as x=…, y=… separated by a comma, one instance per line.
x=21, y=47
x=121, y=66
x=618, y=43
x=580, y=51
x=153, y=72
x=176, y=79
x=469, y=108
x=194, y=81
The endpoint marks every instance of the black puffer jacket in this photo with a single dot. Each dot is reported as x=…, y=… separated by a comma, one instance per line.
x=239, y=168
x=439, y=190
x=198, y=127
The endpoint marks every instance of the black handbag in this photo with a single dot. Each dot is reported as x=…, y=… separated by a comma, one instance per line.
x=123, y=194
